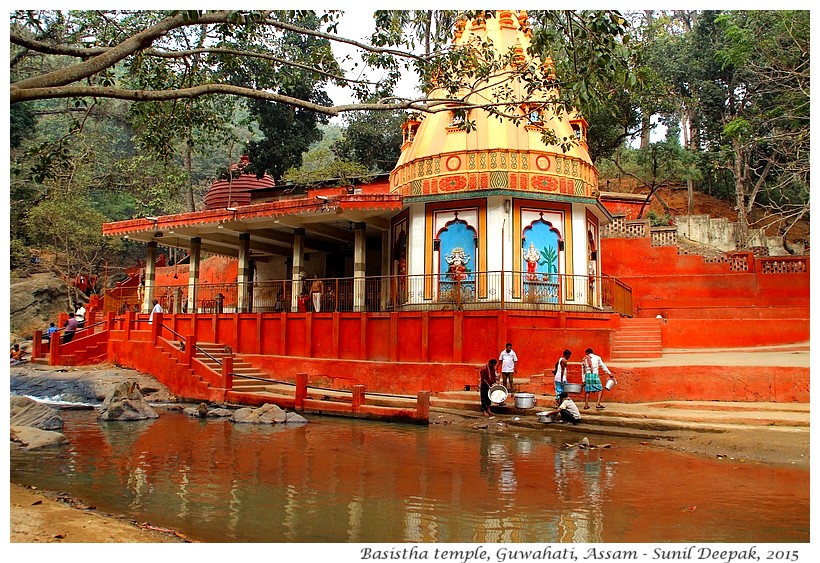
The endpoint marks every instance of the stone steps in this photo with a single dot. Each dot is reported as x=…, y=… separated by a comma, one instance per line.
x=637, y=339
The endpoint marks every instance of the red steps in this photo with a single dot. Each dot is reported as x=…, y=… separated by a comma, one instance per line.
x=637, y=339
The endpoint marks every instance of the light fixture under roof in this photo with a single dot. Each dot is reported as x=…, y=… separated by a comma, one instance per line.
x=231, y=208
x=154, y=219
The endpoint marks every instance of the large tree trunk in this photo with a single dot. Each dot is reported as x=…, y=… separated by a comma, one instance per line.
x=739, y=168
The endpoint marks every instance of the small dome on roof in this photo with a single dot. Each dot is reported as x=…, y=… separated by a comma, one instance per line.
x=236, y=191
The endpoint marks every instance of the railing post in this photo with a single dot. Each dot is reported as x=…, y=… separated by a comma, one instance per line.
x=190, y=349
x=110, y=316
x=54, y=348
x=129, y=319
x=37, y=344
x=156, y=327
x=301, y=391
x=423, y=405
x=358, y=397
x=227, y=372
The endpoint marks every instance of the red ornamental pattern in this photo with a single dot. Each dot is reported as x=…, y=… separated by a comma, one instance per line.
x=452, y=184
x=544, y=184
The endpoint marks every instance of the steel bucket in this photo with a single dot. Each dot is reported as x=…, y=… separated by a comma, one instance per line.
x=498, y=394
x=573, y=387
x=611, y=382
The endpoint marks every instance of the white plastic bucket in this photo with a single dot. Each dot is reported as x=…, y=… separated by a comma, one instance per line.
x=611, y=382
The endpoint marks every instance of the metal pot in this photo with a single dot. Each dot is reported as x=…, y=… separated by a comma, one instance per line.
x=543, y=416
x=573, y=387
x=498, y=394
x=524, y=400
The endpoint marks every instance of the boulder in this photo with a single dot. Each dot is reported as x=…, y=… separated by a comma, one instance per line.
x=266, y=414
x=28, y=412
x=203, y=411
x=33, y=438
x=295, y=418
x=126, y=402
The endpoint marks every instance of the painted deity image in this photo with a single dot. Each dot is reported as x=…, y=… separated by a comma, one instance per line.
x=457, y=262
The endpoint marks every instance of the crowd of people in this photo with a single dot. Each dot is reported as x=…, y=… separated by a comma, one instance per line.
x=592, y=365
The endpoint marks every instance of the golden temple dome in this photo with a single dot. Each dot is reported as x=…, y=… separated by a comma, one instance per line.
x=441, y=156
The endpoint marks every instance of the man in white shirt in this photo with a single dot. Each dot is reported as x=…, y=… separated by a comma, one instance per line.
x=80, y=316
x=157, y=309
x=509, y=365
x=568, y=410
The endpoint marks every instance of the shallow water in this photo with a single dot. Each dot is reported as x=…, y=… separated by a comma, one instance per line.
x=342, y=480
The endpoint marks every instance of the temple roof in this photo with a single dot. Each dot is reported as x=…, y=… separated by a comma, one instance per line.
x=439, y=157
x=237, y=189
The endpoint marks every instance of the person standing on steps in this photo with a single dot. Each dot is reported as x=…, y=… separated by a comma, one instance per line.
x=509, y=365
x=592, y=364
x=561, y=374
x=79, y=314
x=70, y=327
x=157, y=309
x=488, y=378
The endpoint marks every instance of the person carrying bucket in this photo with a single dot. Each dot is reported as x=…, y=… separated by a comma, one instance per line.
x=592, y=364
x=488, y=379
x=561, y=374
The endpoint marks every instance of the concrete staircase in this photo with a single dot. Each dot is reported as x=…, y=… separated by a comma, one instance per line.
x=638, y=339
x=245, y=375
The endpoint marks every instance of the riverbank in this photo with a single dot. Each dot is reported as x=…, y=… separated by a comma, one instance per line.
x=48, y=517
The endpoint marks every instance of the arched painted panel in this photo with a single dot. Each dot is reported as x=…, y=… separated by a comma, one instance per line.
x=540, y=261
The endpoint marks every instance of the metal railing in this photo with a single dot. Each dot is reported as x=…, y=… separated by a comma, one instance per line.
x=432, y=292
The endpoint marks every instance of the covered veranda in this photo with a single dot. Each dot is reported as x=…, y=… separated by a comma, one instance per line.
x=272, y=242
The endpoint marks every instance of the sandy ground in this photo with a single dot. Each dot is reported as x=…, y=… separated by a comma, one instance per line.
x=47, y=517
x=44, y=517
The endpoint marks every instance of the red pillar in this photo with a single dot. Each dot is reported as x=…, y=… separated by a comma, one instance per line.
x=358, y=397
x=54, y=349
x=423, y=406
x=190, y=349
x=301, y=391
x=156, y=327
x=129, y=320
x=227, y=372
x=37, y=344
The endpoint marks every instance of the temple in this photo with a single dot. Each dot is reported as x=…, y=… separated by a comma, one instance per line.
x=406, y=284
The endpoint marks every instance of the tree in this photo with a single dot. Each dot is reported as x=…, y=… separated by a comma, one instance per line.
x=156, y=40
x=372, y=139
x=767, y=126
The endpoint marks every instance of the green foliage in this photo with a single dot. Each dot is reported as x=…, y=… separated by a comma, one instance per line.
x=19, y=254
x=372, y=139
x=658, y=220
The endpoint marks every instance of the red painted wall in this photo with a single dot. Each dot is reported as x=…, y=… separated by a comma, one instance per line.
x=707, y=304
x=448, y=337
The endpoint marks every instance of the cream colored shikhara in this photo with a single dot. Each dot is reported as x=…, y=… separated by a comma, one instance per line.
x=439, y=156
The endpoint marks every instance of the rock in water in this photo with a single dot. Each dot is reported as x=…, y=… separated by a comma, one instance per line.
x=28, y=412
x=126, y=402
x=33, y=438
x=266, y=414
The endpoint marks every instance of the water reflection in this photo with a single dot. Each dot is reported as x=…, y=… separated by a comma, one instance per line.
x=337, y=480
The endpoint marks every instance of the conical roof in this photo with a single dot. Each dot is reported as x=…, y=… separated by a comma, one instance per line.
x=438, y=157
